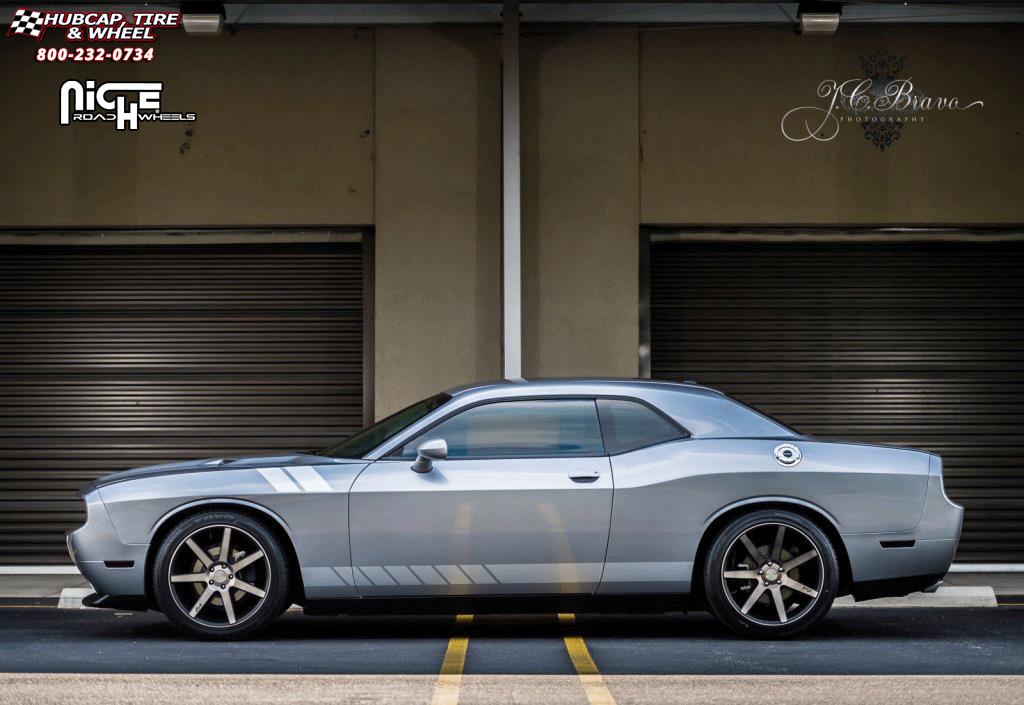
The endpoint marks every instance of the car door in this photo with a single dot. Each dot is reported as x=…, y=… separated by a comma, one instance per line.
x=521, y=504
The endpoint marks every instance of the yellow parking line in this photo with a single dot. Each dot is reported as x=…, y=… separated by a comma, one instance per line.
x=446, y=692
x=593, y=684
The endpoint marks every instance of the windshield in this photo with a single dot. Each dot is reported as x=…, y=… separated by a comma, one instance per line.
x=369, y=438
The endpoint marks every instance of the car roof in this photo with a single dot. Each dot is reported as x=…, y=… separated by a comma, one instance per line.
x=578, y=385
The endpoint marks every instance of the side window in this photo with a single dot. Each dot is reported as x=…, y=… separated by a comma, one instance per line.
x=519, y=429
x=629, y=425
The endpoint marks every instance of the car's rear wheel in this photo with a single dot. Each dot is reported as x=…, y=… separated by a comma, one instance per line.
x=771, y=574
x=220, y=575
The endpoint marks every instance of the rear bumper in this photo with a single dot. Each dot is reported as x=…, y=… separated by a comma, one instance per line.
x=871, y=561
x=894, y=587
x=886, y=563
x=134, y=603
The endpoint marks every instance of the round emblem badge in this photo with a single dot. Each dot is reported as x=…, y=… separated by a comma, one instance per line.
x=787, y=454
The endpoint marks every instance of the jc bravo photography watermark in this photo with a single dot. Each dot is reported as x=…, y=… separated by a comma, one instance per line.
x=881, y=102
x=126, y=104
x=861, y=101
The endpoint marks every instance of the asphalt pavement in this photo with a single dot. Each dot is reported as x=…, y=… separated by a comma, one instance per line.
x=855, y=655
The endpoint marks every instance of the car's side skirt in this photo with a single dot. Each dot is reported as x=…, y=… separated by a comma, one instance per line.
x=504, y=604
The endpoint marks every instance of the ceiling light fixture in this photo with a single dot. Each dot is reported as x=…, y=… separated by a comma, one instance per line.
x=819, y=17
x=203, y=18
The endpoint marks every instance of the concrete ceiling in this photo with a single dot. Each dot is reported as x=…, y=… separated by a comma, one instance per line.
x=598, y=13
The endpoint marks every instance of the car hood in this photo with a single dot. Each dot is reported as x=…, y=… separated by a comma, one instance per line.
x=215, y=464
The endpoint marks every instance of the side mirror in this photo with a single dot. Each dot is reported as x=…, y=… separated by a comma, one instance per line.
x=427, y=453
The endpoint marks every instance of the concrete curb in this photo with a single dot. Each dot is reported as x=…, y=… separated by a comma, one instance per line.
x=39, y=570
x=945, y=596
x=71, y=599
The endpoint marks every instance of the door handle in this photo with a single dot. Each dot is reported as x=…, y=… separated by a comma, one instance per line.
x=585, y=476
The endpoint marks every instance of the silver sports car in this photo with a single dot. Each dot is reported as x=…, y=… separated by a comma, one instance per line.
x=581, y=495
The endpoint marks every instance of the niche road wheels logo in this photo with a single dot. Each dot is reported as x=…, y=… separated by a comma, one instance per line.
x=127, y=105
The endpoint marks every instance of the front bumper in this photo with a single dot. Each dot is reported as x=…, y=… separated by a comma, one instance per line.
x=110, y=566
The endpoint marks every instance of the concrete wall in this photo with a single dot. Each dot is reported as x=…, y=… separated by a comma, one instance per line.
x=400, y=129
x=437, y=212
x=581, y=203
x=684, y=130
x=284, y=135
x=288, y=135
x=713, y=151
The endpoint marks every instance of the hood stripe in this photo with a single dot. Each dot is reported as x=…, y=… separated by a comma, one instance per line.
x=309, y=479
x=279, y=480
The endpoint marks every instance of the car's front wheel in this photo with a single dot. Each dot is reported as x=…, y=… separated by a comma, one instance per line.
x=220, y=575
x=771, y=574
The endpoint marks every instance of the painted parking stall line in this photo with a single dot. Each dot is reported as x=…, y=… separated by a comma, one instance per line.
x=446, y=692
x=593, y=684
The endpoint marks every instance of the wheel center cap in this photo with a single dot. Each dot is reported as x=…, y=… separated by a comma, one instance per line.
x=219, y=575
x=771, y=574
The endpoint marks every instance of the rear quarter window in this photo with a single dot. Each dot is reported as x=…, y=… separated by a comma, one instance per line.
x=707, y=414
x=630, y=425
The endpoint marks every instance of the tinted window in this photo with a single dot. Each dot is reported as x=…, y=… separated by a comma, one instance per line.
x=519, y=429
x=707, y=414
x=629, y=425
x=369, y=438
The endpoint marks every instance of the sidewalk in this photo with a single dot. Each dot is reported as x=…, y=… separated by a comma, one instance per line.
x=37, y=587
x=1004, y=584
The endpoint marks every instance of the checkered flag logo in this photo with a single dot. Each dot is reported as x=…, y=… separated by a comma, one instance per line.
x=28, y=22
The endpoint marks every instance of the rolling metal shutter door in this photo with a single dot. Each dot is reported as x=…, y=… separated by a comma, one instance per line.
x=918, y=344
x=116, y=356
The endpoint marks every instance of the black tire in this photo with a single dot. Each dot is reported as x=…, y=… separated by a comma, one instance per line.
x=249, y=611
x=728, y=596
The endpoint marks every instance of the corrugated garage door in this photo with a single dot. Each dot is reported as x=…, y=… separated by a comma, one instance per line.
x=917, y=344
x=113, y=356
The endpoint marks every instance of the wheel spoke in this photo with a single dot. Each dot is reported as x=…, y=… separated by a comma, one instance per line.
x=190, y=578
x=754, y=551
x=780, y=606
x=225, y=543
x=229, y=607
x=799, y=560
x=777, y=546
x=778, y=549
x=203, y=556
x=799, y=587
x=754, y=596
x=246, y=587
x=203, y=599
x=248, y=560
x=736, y=575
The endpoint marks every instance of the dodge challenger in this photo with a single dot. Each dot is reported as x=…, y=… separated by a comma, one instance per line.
x=519, y=496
